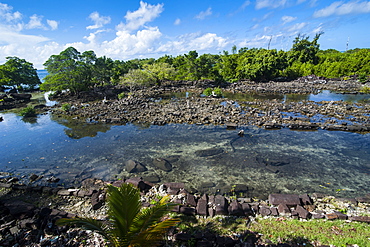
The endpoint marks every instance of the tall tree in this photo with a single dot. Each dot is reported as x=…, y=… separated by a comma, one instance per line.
x=70, y=70
x=305, y=51
x=17, y=72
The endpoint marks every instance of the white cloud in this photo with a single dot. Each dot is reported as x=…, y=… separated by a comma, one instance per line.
x=203, y=14
x=35, y=22
x=177, y=22
x=7, y=14
x=194, y=41
x=260, y=4
x=340, y=8
x=145, y=13
x=259, y=41
x=297, y=27
x=53, y=24
x=98, y=20
x=286, y=19
x=245, y=4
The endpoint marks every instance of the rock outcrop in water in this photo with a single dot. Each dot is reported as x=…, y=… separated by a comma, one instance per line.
x=146, y=106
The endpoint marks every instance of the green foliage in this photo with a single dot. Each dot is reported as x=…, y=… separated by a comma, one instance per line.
x=207, y=91
x=362, y=78
x=66, y=107
x=29, y=111
x=121, y=95
x=17, y=72
x=305, y=51
x=138, y=77
x=365, y=89
x=336, y=233
x=129, y=224
x=161, y=71
x=216, y=92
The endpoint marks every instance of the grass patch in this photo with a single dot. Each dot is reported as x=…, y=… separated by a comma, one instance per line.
x=313, y=232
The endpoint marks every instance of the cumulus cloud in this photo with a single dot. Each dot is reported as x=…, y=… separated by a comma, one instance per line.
x=203, y=14
x=260, y=4
x=286, y=19
x=137, y=19
x=35, y=22
x=340, y=8
x=99, y=21
x=194, y=41
x=53, y=24
x=7, y=14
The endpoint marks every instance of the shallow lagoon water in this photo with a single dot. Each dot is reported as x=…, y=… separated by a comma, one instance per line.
x=261, y=162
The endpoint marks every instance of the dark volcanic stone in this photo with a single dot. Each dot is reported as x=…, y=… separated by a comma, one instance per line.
x=202, y=207
x=221, y=205
x=302, y=212
x=162, y=164
x=209, y=152
x=187, y=210
x=133, y=166
x=287, y=199
x=19, y=207
x=265, y=211
x=236, y=209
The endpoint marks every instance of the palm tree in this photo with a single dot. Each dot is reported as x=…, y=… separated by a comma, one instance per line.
x=129, y=224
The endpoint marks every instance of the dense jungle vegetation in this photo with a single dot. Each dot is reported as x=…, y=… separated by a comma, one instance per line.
x=82, y=71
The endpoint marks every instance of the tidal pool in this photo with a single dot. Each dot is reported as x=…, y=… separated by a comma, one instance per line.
x=206, y=158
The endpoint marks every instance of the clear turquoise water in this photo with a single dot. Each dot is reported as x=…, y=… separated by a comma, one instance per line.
x=263, y=161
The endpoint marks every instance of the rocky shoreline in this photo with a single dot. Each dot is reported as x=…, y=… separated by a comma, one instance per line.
x=28, y=213
x=147, y=106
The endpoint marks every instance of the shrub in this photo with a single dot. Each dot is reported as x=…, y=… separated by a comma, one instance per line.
x=362, y=78
x=66, y=107
x=207, y=91
x=29, y=111
x=218, y=92
x=365, y=89
x=121, y=95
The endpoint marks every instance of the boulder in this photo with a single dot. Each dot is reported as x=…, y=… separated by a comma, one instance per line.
x=133, y=166
x=19, y=207
x=202, y=206
x=21, y=96
x=236, y=209
x=302, y=212
x=287, y=199
x=221, y=205
x=162, y=164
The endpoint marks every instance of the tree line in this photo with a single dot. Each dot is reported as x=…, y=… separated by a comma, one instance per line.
x=82, y=71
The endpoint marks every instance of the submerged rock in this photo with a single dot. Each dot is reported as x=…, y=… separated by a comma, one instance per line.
x=133, y=166
x=209, y=152
x=162, y=164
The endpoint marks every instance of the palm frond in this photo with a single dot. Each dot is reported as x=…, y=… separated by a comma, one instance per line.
x=124, y=204
x=146, y=223
x=153, y=235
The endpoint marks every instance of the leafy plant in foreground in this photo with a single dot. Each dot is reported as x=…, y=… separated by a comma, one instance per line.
x=129, y=224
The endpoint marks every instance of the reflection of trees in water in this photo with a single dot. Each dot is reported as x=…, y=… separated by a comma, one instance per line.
x=77, y=129
x=297, y=97
x=31, y=120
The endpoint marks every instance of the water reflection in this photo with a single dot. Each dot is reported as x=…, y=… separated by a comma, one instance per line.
x=324, y=95
x=78, y=130
x=207, y=158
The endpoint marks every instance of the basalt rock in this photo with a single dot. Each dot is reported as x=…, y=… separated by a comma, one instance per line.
x=162, y=164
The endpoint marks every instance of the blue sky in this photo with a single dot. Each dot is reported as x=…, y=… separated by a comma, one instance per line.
x=127, y=29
